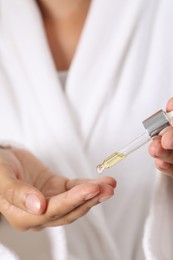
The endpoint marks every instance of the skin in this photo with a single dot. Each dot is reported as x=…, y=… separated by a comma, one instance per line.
x=161, y=148
x=63, y=21
x=31, y=195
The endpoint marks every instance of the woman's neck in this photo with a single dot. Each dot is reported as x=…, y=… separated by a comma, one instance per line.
x=63, y=21
x=60, y=9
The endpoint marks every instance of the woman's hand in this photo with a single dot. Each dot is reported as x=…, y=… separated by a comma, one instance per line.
x=161, y=147
x=32, y=197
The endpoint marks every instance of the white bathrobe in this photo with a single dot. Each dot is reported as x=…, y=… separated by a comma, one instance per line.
x=122, y=73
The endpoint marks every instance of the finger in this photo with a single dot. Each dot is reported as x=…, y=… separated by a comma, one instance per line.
x=73, y=215
x=164, y=167
x=18, y=218
x=106, y=192
x=21, y=194
x=156, y=150
x=22, y=220
x=58, y=206
x=167, y=138
x=64, y=203
x=169, y=106
x=107, y=180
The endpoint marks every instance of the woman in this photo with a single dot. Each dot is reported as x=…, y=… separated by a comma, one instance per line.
x=76, y=77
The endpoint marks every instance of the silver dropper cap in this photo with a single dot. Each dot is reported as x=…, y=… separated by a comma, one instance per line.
x=156, y=123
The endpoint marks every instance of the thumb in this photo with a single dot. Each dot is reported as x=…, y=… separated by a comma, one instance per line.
x=21, y=194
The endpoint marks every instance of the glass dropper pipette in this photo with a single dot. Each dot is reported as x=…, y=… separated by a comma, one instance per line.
x=153, y=126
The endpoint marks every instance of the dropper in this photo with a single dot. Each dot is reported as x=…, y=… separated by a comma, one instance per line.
x=153, y=126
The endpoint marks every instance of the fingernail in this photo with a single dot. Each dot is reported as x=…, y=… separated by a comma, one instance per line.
x=92, y=195
x=32, y=203
x=102, y=199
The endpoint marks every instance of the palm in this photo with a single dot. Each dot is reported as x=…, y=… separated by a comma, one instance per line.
x=58, y=200
x=33, y=171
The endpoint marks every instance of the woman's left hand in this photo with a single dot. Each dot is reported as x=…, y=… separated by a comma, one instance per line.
x=161, y=148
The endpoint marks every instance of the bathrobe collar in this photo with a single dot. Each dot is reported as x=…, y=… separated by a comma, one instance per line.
x=35, y=78
x=84, y=96
x=71, y=116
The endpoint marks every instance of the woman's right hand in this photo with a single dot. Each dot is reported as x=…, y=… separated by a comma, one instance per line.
x=33, y=197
